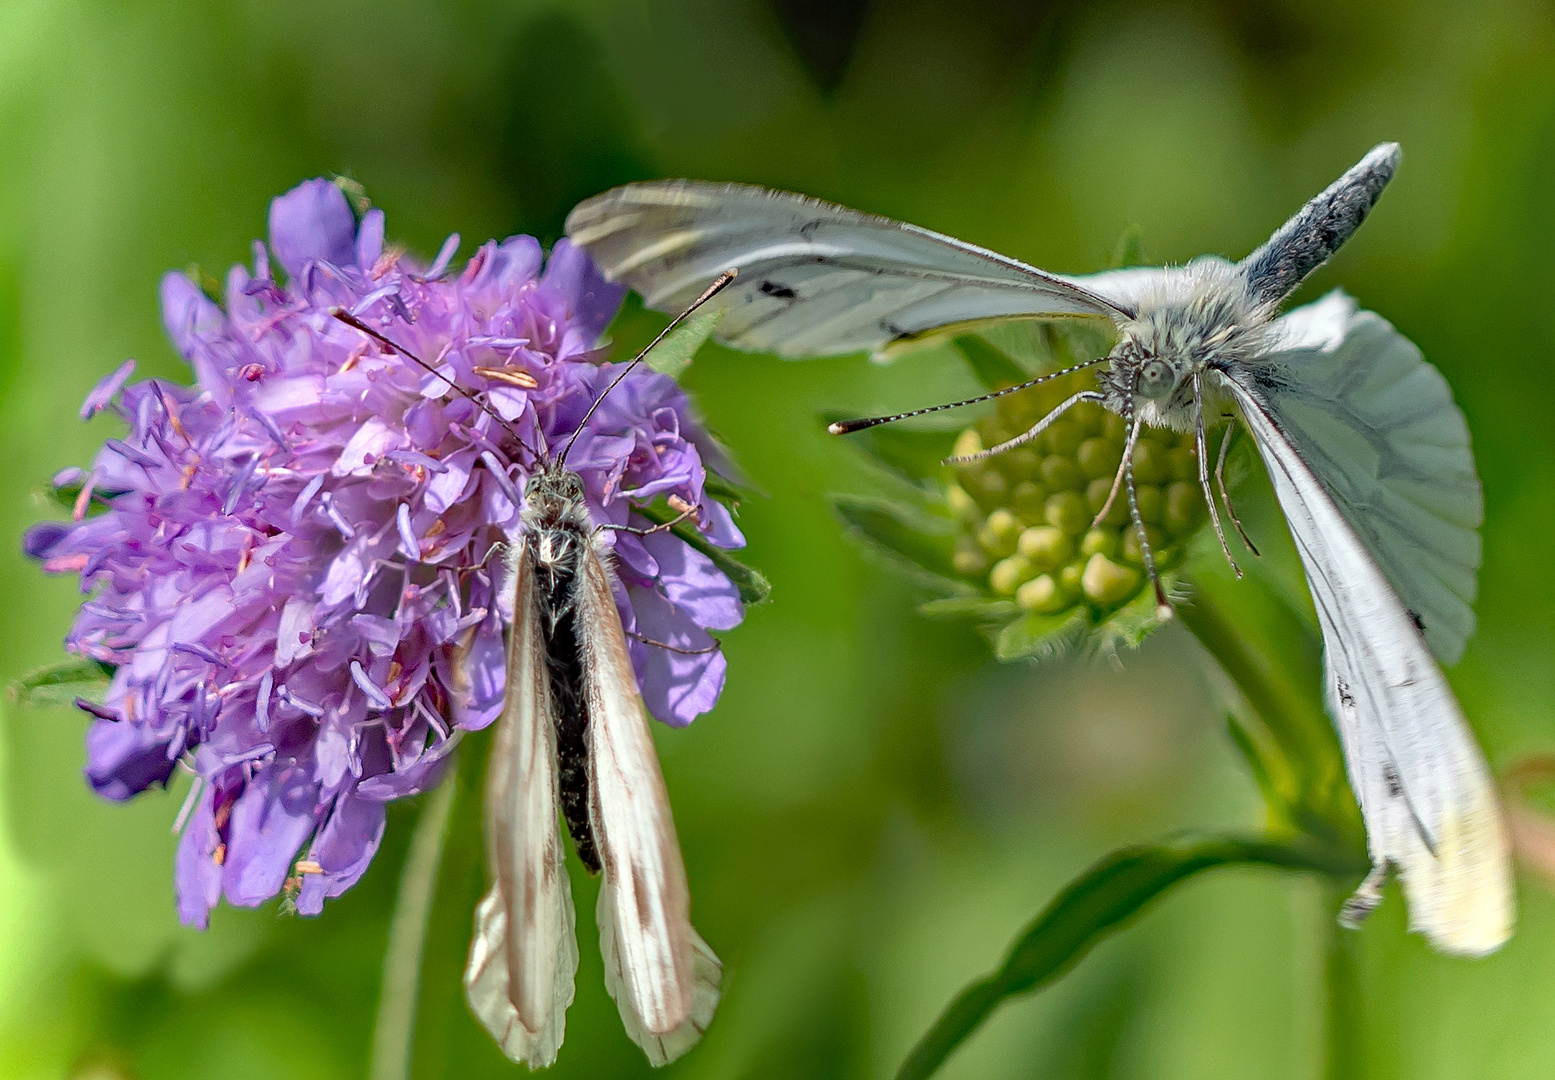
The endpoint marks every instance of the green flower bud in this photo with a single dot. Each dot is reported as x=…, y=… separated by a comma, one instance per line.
x=1184, y=508
x=1063, y=436
x=1060, y=473
x=968, y=558
x=987, y=486
x=1099, y=458
x=1149, y=462
x=1096, y=493
x=1131, y=552
x=960, y=503
x=1105, y=582
x=1041, y=595
x=1100, y=542
x=1045, y=546
x=1089, y=417
x=999, y=533
x=1018, y=465
x=1030, y=501
x=1008, y=574
x=968, y=442
x=1182, y=464
x=1150, y=499
x=1068, y=511
x=1114, y=429
x=1069, y=579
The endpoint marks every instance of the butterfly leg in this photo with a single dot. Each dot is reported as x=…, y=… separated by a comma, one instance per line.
x=714, y=647
x=1031, y=433
x=1220, y=480
x=1117, y=479
x=1202, y=453
x=1163, y=606
x=676, y=503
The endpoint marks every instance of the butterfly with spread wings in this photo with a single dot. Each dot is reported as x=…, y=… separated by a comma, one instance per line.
x=1369, y=457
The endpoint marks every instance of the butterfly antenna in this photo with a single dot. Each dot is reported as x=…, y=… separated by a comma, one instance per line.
x=525, y=382
x=713, y=290
x=847, y=427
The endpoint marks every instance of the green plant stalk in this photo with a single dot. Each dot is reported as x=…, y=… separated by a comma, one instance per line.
x=1343, y=1049
x=394, y=1031
x=1103, y=899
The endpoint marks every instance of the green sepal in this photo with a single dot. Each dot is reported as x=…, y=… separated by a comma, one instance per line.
x=1040, y=636
x=62, y=683
x=1128, y=251
x=1104, y=899
x=674, y=354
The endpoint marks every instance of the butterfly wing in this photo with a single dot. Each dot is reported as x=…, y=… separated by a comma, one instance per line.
x=1378, y=426
x=663, y=977
x=815, y=279
x=524, y=955
x=1425, y=791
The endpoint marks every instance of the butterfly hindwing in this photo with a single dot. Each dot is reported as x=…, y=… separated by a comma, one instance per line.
x=1425, y=790
x=524, y=956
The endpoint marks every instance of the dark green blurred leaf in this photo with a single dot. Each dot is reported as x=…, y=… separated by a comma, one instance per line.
x=975, y=606
x=923, y=540
x=993, y=368
x=62, y=683
x=675, y=353
x=912, y=453
x=1103, y=899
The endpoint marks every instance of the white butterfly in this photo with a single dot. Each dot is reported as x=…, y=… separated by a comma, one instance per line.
x=1368, y=455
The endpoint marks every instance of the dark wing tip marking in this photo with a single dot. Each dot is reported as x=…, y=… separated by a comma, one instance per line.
x=777, y=291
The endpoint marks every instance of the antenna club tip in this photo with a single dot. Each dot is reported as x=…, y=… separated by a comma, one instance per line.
x=837, y=428
x=335, y=310
x=1165, y=612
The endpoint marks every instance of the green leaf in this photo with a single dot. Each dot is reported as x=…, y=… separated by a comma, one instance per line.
x=673, y=355
x=62, y=683
x=992, y=367
x=913, y=453
x=969, y=606
x=1104, y=899
x=923, y=540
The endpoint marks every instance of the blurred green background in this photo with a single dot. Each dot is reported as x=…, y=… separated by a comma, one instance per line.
x=875, y=809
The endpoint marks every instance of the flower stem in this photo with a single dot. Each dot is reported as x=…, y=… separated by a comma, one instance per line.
x=394, y=1032
x=1343, y=1049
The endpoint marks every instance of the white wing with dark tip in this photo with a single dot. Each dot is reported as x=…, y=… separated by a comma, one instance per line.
x=815, y=279
x=524, y=955
x=663, y=977
x=1425, y=791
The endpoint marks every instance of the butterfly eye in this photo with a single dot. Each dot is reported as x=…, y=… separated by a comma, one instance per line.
x=1155, y=379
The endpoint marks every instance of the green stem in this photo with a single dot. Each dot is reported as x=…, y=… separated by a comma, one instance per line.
x=1342, y=1045
x=394, y=1032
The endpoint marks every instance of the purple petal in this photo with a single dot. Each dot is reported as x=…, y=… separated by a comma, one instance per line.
x=694, y=584
x=196, y=873
x=343, y=850
x=270, y=821
x=124, y=759
x=445, y=255
x=369, y=239
x=592, y=301
x=312, y=223
x=106, y=390
x=677, y=687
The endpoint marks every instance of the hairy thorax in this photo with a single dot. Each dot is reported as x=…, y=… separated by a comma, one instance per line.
x=1199, y=321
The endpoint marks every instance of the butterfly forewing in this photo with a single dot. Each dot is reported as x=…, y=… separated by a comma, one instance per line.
x=1425, y=791
x=654, y=964
x=814, y=279
x=524, y=955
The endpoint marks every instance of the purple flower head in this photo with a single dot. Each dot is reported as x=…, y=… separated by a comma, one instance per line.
x=290, y=564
